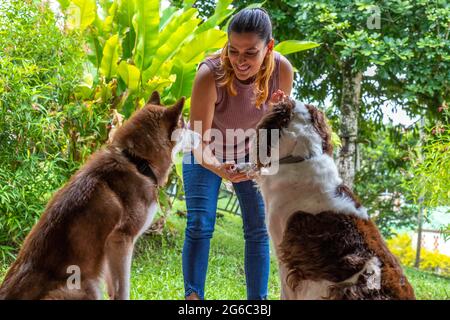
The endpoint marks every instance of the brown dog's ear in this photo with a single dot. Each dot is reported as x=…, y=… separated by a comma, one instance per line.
x=155, y=98
x=322, y=127
x=174, y=112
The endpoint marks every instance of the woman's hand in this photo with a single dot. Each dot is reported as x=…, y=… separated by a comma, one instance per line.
x=227, y=171
x=277, y=96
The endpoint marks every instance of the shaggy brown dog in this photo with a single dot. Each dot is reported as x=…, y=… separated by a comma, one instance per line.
x=89, y=227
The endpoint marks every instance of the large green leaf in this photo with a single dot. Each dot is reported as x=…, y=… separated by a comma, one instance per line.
x=125, y=14
x=64, y=4
x=97, y=52
x=158, y=84
x=81, y=13
x=177, y=20
x=146, y=25
x=163, y=72
x=194, y=50
x=188, y=3
x=109, y=20
x=291, y=46
x=130, y=75
x=128, y=43
x=172, y=45
x=185, y=73
x=108, y=67
x=98, y=26
x=166, y=16
x=84, y=89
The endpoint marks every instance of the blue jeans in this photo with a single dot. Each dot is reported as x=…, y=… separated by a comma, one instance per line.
x=201, y=188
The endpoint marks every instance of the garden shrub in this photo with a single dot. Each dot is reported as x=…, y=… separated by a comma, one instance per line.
x=433, y=261
x=45, y=132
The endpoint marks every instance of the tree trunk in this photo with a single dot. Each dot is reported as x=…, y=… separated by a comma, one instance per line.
x=419, y=234
x=420, y=215
x=350, y=103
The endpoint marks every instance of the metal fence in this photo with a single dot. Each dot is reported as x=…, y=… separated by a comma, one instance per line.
x=227, y=202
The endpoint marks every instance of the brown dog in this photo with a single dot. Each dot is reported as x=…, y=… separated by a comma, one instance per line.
x=89, y=227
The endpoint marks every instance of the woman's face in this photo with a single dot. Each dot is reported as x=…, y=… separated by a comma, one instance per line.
x=246, y=52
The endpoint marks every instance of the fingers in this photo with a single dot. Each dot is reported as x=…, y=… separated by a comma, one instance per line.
x=238, y=176
x=279, y=92
x=241, y=177
x=278, y=96
x=252, y=175
x=234, y=176
x=228, y=171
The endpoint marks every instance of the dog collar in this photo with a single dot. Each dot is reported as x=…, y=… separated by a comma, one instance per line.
x=141, y=164
x=291, y=159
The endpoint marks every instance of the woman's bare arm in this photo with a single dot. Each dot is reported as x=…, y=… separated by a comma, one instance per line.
x=286, y=76
x=203, y=101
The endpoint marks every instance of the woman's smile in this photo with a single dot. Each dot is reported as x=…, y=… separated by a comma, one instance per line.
x=246, y=53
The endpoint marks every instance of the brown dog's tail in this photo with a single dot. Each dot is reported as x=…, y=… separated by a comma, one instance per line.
x=22, y=285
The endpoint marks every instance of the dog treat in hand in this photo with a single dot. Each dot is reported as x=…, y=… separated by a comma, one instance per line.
x=243, y=167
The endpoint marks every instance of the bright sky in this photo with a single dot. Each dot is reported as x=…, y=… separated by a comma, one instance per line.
x=397, y=117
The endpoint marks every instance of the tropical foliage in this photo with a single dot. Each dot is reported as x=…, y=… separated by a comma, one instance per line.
x=381, y=179
x=43, y=131
x=66, y=78
x=429, y=174
x=136, y=47
x=430, y=170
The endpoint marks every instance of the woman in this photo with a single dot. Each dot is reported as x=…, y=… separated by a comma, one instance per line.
x=232, y=90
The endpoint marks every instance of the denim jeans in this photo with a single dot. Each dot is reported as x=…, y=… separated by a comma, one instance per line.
x=201, y=188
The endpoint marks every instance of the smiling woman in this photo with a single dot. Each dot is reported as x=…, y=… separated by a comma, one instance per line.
x=232, y=91
x=248, y=60
x=248, y=55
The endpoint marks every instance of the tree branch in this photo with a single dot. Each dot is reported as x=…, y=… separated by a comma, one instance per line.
x=335, y=56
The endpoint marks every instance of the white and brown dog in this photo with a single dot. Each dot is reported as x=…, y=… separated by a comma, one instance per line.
x=326, y=245
x=91, y=224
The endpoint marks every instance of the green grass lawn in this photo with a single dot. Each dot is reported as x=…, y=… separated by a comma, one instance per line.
x=428, y=286
x=157, y=273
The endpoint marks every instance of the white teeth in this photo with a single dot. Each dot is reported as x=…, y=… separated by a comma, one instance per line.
x=243, y=68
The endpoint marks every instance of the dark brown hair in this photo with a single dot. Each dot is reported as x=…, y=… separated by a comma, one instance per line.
x=255, y=20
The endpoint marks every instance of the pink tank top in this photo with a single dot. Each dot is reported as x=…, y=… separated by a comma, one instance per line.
x=237, y=113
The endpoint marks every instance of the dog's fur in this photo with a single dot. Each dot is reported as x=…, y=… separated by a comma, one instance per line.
x=326, y=245
x=94, y=220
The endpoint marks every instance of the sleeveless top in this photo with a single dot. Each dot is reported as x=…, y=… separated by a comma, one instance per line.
x=235, y=117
